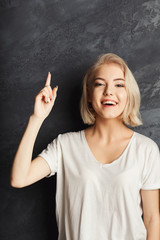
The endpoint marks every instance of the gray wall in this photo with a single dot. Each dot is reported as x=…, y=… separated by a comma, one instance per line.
x=65, y=38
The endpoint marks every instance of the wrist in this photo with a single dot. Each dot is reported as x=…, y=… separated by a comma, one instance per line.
x=38, y=120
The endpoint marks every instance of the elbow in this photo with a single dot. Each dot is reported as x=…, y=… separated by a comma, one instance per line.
x=16, y=184
x=154, y=220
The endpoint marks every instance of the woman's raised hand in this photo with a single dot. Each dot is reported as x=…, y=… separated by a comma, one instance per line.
x=45, y=99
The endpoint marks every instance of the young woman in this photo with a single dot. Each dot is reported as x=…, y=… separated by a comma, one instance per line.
x=107, y=175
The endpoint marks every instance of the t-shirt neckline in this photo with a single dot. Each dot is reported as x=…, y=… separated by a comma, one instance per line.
x=105, y=164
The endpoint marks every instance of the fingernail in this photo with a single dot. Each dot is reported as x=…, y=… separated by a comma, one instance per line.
x=57, y=87
x=48, y=100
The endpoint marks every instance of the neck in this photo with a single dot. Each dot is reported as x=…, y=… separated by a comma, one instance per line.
x=110, y=129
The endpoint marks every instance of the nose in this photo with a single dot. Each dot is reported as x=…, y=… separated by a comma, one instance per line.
x=107, y=91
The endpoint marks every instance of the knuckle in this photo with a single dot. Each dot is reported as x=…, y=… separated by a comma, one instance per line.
x=44, y=94
x=50, y=89
x=46, y=90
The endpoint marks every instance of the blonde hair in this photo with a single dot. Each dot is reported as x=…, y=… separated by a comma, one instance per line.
x=131, y=115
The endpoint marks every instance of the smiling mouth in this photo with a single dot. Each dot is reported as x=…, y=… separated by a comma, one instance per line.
x=109, y=103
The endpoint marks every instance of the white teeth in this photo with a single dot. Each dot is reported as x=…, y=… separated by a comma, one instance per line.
x=109, y=102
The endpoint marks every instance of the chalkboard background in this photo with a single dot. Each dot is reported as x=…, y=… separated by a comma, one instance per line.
x=65, y=38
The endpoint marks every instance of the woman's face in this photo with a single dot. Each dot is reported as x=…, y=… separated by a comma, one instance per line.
x=108, y=91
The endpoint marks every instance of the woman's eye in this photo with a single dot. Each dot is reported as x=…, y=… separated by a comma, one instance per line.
x=98, y=84
x=119, y=85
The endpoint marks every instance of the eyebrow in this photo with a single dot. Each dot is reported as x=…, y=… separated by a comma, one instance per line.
x=116, y=79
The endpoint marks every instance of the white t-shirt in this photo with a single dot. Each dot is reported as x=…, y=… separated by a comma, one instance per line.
x=101, y=201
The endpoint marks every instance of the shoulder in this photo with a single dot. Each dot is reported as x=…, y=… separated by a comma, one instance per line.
x=145, y=142
x=70, y=136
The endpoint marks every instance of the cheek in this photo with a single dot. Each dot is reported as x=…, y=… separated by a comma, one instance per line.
x=92, y=95
x=123, y=96
x=97, y=93
x=95, y=100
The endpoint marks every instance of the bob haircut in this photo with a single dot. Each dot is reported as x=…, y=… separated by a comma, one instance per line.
x=131, y=115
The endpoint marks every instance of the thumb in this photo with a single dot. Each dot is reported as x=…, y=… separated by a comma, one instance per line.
x=54, y=91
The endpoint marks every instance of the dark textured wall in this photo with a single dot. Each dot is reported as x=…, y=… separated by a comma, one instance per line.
x=65, y=38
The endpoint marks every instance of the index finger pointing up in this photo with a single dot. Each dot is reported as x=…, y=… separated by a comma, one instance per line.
x=48, y=80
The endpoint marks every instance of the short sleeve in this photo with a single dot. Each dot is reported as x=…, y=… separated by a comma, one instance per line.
x=52, y=155
x=151, y=172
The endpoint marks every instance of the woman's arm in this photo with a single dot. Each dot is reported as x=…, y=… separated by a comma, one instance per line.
x=25, y=171
x=153, y=229
x=150, y=202
x=22, y=161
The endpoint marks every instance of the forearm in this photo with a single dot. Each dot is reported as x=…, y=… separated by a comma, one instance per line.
x=23, y=156
x=153, y=230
